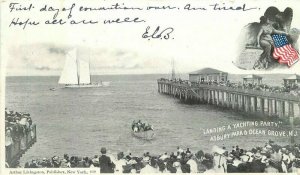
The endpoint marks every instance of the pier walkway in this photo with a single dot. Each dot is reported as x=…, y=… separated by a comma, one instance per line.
x=250, y=101
x=14, y=151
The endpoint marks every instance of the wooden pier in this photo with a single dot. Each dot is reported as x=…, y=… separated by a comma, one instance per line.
x=14, y=152
x=253, y=102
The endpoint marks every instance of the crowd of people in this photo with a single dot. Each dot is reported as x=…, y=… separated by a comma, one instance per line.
x=292, y=89
x=141, y=126
x=17, y=125
x=285, y=88
x=271, y=158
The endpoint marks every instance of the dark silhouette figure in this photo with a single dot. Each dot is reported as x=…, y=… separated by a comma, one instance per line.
x=106, y=165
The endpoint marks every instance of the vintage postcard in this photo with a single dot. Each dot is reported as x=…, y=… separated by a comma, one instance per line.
x=149, y=86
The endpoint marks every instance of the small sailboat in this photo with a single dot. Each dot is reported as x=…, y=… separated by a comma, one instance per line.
x=76, y=73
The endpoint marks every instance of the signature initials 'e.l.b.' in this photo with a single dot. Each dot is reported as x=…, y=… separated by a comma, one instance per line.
x=158, y=33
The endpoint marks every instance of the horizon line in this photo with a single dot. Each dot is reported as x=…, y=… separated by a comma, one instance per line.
x=148, y=74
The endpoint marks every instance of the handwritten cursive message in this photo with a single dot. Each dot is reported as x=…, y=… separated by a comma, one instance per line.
x=68, y=15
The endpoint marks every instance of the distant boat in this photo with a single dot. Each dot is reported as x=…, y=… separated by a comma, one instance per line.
x=76, y=73
x=52, y=89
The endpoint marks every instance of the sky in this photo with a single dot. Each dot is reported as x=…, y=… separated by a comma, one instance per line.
x=201, y=38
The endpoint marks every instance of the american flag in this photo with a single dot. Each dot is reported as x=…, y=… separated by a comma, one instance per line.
x=284, y=51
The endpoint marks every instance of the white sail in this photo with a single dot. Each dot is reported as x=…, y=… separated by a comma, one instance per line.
x=84, y=72
x=69, y=74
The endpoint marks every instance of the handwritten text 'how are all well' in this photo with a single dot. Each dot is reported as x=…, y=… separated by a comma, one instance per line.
x=155, y=33
x=17, y=21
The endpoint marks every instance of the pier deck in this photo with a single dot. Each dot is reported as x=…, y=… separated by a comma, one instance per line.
x=14, y=152
x=262, y=103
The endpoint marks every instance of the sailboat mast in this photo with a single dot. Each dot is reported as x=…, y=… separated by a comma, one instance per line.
x=90, y=73
x=173, y=69
x=77, y=68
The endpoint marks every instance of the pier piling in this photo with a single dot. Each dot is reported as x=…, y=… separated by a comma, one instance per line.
x=248, y=101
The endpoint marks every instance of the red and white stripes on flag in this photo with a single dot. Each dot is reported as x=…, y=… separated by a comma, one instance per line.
x=283, y=50
x=286, y=55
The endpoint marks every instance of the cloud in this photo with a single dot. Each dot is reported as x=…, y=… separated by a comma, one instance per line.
x=57, y=50
x=37, y=56
x=43, y=68
x=49, y=57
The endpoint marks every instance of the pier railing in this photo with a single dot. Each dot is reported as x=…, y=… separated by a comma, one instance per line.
x=14, y=151
x=251, y=92
x=250, y=101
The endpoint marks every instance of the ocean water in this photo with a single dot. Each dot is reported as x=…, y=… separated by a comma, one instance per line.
x=81, y=121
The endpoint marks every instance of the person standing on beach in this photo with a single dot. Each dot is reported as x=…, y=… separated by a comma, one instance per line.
x=106, y=165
